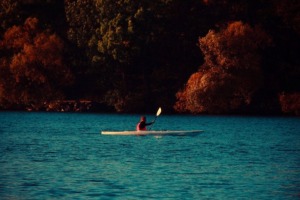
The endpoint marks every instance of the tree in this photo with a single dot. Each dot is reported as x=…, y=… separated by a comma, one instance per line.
x=231, y=72
x=128, y=32
x=133, y=41
x=34, y=69
x=9, y=14
x=104, y=29
x=290, y=103
x=289, y=12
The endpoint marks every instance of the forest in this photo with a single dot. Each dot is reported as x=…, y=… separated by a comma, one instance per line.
x=129, y=56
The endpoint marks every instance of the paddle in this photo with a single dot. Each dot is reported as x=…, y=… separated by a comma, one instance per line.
x=157, y=114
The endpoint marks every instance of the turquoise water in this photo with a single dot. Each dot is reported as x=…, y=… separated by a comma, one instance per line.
x=64, y=156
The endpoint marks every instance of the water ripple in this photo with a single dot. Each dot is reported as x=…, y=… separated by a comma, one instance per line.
x=63, y=156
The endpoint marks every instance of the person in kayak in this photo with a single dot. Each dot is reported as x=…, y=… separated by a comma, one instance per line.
x=141, y=126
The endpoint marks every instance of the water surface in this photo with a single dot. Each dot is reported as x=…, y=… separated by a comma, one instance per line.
x=64, y=156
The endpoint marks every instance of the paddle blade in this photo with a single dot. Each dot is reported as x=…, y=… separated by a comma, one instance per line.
x=158, y=112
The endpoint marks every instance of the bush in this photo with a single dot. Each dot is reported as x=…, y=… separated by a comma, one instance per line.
x=290, y=103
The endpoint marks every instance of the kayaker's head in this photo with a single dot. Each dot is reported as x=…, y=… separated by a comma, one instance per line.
x=143, y=119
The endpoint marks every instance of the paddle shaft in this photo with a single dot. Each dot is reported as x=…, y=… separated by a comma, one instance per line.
x=152, y=123
x=157, y=114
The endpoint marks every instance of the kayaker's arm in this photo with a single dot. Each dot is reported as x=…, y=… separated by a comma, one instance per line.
x=148, y=124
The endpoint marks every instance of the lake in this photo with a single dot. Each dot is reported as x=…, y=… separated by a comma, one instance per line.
x=64, y=156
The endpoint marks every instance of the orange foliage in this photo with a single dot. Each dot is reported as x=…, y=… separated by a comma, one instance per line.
x=234, y=47
x=211, y=92
x=231, y=73
x=15, y=38
x=185, y=102
x=36, y=68
x=31, y=24
x=290, y=103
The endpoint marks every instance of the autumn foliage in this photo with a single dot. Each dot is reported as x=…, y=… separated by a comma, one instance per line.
x=231, y=72
x=34, y=71
x=197, y=56
x=290, y=103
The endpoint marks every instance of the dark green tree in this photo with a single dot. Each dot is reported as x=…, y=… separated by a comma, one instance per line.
x=137, y=49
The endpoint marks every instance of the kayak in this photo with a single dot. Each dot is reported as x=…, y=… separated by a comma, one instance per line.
x=156, y=133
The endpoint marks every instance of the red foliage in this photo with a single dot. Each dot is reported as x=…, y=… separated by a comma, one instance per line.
x=185, y=100
x=290, y=103
x=36, y=68
x=231, y=73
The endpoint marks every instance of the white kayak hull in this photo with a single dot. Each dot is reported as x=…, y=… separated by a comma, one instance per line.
x=141, y=133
